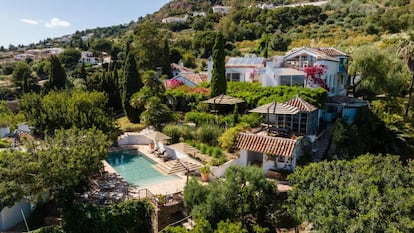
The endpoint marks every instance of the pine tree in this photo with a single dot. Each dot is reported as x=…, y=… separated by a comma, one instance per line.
x=129, y=84
x=57, y=75
x=218, y=79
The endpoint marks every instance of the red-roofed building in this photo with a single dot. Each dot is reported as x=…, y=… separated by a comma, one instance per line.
x=268, y=151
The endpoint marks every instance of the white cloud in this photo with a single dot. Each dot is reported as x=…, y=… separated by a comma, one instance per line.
x=30, y=21
x=55, y=22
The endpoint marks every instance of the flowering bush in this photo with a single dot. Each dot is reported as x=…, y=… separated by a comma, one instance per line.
x=314, y=73
x=174, y=83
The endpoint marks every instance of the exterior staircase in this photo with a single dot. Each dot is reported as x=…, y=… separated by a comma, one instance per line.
x=322, y=143
x=175, y=166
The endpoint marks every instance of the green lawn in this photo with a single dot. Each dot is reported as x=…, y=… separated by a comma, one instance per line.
x=126, y=126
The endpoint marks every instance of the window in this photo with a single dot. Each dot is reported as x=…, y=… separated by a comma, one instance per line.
x=233, y=77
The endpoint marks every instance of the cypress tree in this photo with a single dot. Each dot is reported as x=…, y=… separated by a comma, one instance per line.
x=166, y=61
x=218, y=79
x=57, y=75
x=130, y=83
x=82, y=72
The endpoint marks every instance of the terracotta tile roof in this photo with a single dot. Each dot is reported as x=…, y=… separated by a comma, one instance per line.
x=266, y=144
x=321, y=53
x=333, y=52
x=181, y=68
x=196, y=78
x=301, y=104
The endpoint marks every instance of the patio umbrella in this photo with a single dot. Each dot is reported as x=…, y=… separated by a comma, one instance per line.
x=157, y=136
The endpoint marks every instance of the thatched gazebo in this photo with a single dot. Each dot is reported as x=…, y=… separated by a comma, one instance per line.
x=225, y=102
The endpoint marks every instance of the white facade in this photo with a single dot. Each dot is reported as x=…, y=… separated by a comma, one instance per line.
x=9, y=217
x=289, y=69
x=175, y=19
x=88, y=58
x=24, y=56
x=4, y=131
x=221, y=9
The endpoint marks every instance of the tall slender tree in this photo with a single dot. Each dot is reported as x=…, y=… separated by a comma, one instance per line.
x=406, y=51
x=218, y=79
x=166, y=61
x=129, y=84
x=57, y=75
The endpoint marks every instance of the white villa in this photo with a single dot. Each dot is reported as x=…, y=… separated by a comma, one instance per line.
x=221, y=9
x=88, y=58
x=289, y=69
x=175, y=19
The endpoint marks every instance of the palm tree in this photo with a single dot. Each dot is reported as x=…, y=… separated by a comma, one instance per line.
x=406, y=51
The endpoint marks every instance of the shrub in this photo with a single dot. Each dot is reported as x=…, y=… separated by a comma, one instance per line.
x=219, y=161
x=187, y=133
x=208, y=134
x=209, y=150
x=252, y=119
x=174, y=131
x=227, y=140
x=49, y=229
x=199, y=117
x=203, y=148
x=216, y=152
x=4, y=144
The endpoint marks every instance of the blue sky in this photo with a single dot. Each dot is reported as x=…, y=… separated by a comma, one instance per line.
x=27, y=21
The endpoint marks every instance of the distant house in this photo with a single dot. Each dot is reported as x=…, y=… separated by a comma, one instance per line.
x=196, y=13
x=24, y=56
x=265, y=6
x=88, y=58
x=186, y=76
x=191, y=79
x=221, y=9
x=87, y=36
x=178, y=68
x=249, y=68
x=289, y=70
x=175, y=19
x=52, y=51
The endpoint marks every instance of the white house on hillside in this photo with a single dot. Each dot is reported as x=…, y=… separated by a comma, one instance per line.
x=88, y=58
x=221, y=9
x=290, y=69
x=175, y=19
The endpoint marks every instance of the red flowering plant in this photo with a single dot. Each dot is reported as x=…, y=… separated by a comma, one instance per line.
x=313, y=76
x=174, y=83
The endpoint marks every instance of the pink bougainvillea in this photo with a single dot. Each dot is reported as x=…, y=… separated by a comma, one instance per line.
x=314, y=73
x=174, y=83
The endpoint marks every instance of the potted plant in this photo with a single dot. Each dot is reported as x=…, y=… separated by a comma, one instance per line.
x=205, y=171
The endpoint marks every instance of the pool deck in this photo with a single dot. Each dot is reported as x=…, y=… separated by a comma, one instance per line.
x=164, y=188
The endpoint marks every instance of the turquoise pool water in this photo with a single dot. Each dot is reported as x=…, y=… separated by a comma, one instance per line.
x=136, y=168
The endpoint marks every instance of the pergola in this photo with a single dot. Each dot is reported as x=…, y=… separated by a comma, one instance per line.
x=224, y=99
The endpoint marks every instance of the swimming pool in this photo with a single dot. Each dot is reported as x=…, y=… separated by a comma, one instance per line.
x=136, y=168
